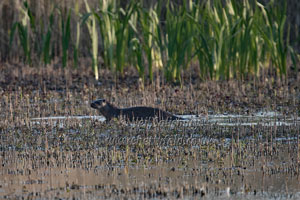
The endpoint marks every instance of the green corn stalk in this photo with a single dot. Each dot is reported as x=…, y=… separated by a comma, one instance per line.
x=90, y=20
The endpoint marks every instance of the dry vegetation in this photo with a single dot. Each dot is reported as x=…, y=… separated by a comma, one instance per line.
x=86, y=158
x=53, y=145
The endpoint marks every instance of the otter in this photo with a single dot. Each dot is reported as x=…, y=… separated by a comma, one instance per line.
x=110, y=111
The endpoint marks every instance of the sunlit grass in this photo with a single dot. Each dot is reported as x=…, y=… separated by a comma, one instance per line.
x=225, y=40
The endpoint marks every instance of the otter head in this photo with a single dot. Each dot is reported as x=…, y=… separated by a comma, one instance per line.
x=98, y=104
x=105, y=108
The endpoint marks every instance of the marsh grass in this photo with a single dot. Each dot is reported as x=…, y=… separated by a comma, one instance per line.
x=83, y=156
x=169, y=160
x=90, y=20
x=225, y=40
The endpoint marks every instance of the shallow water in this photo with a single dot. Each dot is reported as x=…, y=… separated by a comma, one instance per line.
x=147, y=182
x=260, y=118
x=215, y=156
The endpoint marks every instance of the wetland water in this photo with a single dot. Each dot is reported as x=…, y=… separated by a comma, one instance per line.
x=254, y=156
x=243, y=144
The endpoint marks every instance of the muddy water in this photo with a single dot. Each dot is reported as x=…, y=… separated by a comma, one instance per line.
x=215, y=156
x=149, y=182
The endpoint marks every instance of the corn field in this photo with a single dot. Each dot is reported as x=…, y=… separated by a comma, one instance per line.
x=224, y=39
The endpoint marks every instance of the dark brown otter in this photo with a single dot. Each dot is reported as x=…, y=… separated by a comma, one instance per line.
x=110, y=111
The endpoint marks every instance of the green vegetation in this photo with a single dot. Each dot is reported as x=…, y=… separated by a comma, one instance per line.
x=234, y=39
x=91, y=24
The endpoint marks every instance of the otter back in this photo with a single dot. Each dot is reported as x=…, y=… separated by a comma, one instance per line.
x=144, y=113
x=110, y=111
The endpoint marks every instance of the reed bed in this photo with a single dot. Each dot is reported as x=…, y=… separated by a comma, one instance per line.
x=225, y=40
x=243, y=141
